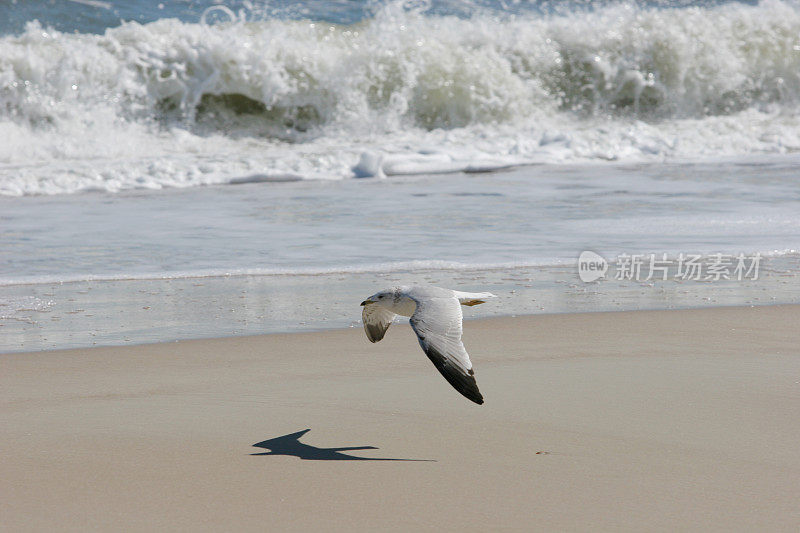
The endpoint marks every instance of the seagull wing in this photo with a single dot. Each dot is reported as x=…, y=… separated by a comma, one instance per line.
x=377, y=320
x=437, y=323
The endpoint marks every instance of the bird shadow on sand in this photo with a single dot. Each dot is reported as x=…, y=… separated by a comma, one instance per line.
x=290, y=445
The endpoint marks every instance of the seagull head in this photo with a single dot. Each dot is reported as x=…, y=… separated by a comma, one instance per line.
x=387, y=298
x=379, y=297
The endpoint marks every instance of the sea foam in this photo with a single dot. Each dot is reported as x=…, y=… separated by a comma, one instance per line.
x=177, y=104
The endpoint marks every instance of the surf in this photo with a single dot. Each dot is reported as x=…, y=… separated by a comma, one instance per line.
x=173, y=103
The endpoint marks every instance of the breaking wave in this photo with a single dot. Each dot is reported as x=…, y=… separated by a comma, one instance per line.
x=171, y=103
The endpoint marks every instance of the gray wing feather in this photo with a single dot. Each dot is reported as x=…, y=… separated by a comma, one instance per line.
x=377, y=320
x=437, y=323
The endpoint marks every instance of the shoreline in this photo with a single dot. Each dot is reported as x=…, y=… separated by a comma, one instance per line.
x=85, y=314
x=657, y=420
x=401, y=321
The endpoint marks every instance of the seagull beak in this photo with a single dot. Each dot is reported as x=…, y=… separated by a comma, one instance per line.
x=367, y=301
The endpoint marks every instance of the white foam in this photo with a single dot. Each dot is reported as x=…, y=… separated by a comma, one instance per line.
x=418, y=267
x=370, y=165
x=374, y=268
x=174, y=104
x=21, y=308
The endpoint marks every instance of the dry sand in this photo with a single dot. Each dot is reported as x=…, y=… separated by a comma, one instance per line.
x=635, y=421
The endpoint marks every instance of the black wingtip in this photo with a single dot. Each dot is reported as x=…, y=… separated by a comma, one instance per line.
x=463, y=383
x=474, y=396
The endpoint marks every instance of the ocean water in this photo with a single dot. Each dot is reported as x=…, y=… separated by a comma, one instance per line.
x=110, y=96
x=186, y=169
x=527, y=217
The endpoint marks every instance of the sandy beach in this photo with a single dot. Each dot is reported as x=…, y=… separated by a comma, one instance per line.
x=657, y=420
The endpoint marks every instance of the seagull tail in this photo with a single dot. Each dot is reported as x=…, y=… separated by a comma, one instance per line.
x=473, y=298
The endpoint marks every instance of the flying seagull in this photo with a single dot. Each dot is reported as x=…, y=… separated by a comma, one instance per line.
x=436, y=319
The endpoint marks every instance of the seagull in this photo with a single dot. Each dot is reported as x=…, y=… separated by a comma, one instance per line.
x=436, y=319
